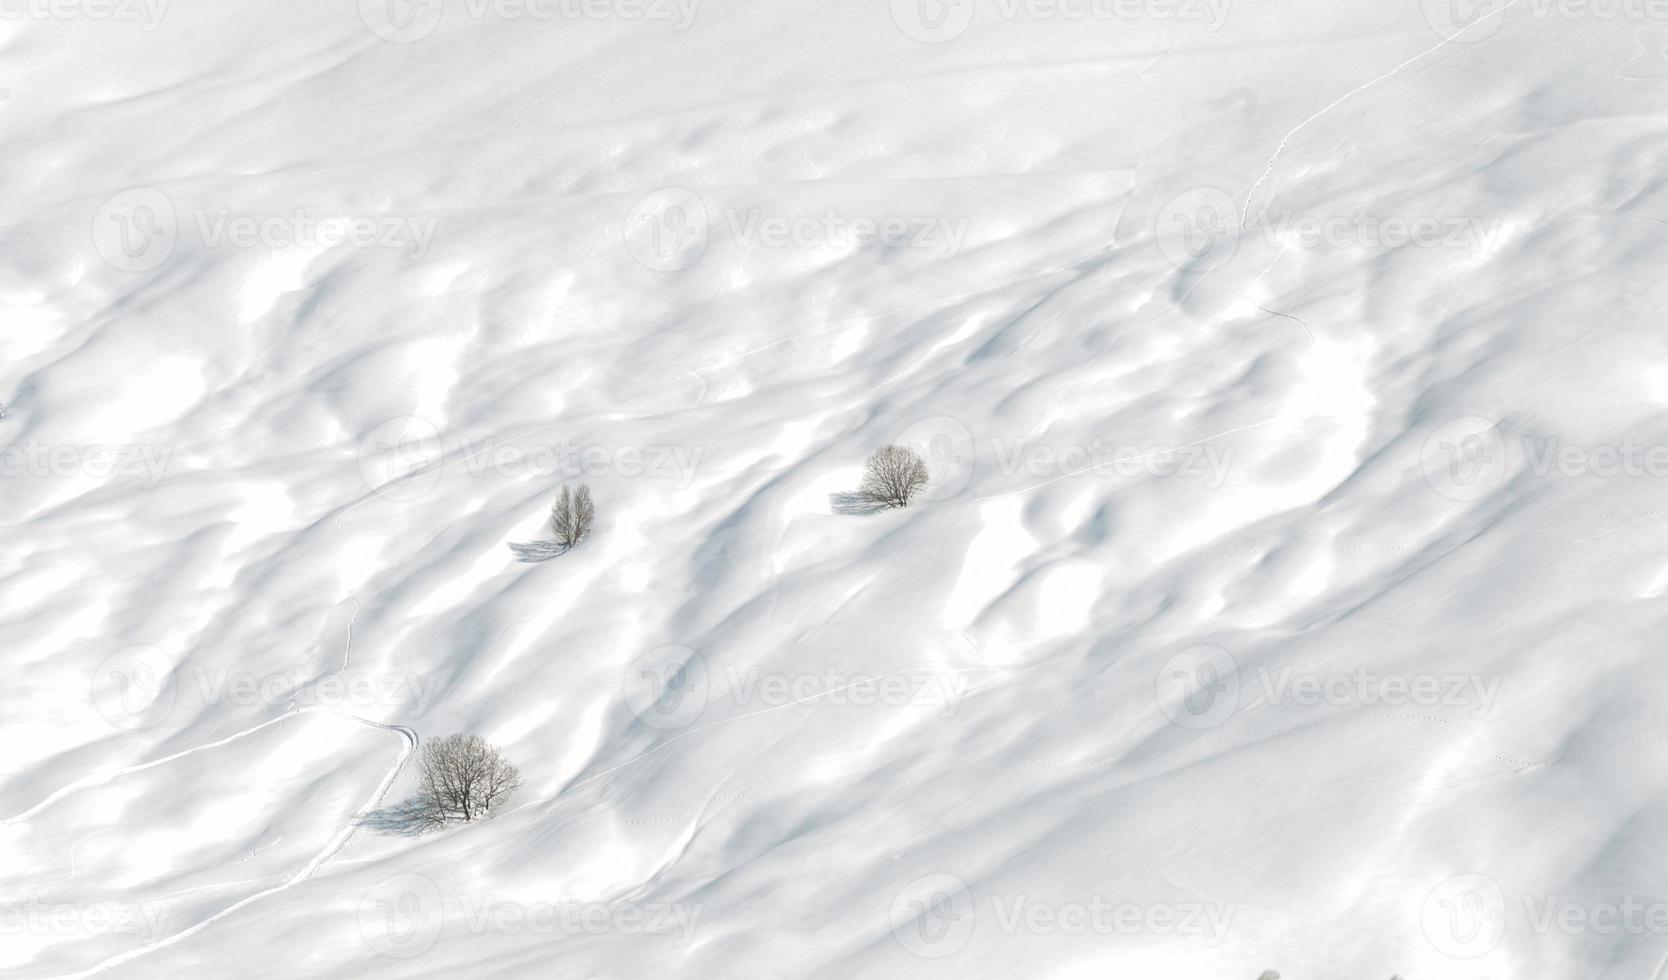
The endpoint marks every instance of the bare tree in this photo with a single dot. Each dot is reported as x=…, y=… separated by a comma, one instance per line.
x=572, y=516
x=462, y=778
x=893, y=476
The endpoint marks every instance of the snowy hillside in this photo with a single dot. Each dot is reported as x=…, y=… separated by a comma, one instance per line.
x=1288, y=593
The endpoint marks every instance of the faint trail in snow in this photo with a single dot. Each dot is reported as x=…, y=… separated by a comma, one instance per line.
x=331, y=848
x=36, y=890
x=105, y=777
x=1241, y=739
x=752, y=714
x=1013, y=669
x=1297, y=320
x=1250, y=198
x=347, y=658
x=347, y=651
x=347, y=832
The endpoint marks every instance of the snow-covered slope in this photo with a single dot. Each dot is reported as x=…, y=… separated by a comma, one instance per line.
x=1288, y=594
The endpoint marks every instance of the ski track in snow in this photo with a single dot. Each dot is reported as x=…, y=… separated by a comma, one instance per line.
x=1273, y=161
x=409, y=741
x=330, y=850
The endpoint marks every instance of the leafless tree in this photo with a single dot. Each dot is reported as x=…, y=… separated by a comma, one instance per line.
x=462, y=778
x=572, y=516
x=893, y=476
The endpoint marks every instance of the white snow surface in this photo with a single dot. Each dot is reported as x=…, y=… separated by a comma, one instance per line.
x=1298, y=598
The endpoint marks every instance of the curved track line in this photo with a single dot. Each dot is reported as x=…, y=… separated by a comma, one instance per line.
x=97, y=779
x=1250, y=198
x=330, y=850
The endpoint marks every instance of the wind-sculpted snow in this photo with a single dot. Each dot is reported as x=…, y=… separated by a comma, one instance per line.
x=1285, y=595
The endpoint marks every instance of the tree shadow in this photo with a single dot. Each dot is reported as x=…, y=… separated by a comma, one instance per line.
x=406, y=819
x=536, y=551
x=855, y=504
